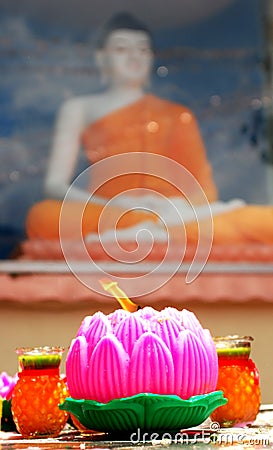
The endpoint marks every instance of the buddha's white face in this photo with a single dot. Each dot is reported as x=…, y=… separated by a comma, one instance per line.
x=126, y=58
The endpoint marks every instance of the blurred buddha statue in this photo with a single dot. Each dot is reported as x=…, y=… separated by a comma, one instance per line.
x=126, y=118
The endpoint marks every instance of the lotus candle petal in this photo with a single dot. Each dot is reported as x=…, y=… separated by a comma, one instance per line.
x=151, y=366
x=110, y=360
x=123, y=354
x=129, y=330
x=77, y=362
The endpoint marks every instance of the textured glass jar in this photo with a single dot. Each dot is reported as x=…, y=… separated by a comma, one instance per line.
x=38, y=392
x=238, y=378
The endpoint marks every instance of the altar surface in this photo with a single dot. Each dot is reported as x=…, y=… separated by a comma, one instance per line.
x=205, y=437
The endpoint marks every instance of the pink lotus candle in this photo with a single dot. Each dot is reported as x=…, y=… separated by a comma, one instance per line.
x=148, y=351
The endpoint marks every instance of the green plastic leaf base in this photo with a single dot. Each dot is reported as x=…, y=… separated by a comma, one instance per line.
x=145, y=412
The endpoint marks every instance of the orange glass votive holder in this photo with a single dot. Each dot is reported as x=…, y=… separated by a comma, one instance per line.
x=239, y=379
x=39, y=391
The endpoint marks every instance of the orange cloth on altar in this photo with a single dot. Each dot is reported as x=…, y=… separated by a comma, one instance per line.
x=156, y=126
x=43, y=219
x=249, y=224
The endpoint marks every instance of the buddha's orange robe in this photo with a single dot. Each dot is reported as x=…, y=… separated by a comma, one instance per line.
x=155, y=126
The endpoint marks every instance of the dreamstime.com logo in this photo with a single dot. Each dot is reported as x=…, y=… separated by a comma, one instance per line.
x=212, y=435
x=173, y=216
